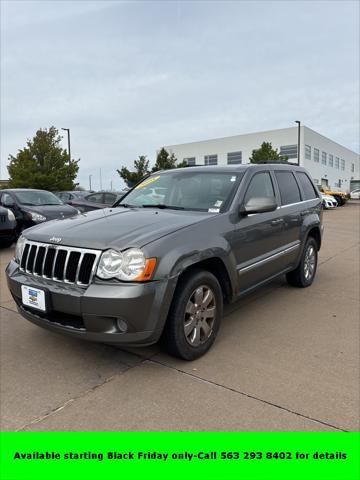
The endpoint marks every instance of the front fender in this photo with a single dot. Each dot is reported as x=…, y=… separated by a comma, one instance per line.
x=181, y=250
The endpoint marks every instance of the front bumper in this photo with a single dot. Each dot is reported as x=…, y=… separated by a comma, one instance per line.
x=116, y=313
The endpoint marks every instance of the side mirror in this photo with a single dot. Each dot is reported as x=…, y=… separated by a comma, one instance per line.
x=259, y=205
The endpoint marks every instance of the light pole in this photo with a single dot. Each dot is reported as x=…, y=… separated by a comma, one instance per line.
x=90, y=182
x=298, y=148
x=68, y=135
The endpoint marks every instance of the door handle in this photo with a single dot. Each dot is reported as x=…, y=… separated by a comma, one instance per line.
x=277, y=222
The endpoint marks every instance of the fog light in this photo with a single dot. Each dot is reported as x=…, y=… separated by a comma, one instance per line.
x=122, y=325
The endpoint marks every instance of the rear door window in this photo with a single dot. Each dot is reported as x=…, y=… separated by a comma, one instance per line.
x=306, y=185
x=289, y=190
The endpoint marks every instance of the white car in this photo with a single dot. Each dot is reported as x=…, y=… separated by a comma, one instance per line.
x=355, y=194
x=329, y=201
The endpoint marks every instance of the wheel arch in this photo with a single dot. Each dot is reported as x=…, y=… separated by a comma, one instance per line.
x=216, y=266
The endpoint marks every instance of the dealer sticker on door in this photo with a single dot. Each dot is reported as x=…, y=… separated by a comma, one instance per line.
x=33, y=297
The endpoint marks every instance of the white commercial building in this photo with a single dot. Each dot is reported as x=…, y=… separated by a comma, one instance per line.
x=328, y=162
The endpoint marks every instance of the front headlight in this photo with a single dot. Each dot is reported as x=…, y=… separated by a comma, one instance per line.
x=11, y=216
x=130, y=265
x=36, y=217
x=19, y=248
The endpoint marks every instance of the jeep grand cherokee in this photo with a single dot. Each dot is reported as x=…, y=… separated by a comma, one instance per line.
x=160, y=266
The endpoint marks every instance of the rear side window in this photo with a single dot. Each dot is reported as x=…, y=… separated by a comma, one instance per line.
x=307, y=186
x=95, y=198
x=289, y=190
x=109, y=198
x=260, y=186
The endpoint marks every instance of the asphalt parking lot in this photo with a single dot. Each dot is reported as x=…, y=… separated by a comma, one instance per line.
x=286, y=359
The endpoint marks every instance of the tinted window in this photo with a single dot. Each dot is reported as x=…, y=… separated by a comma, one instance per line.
x=289, y=190
x=307, y=186
x=95, y=198
x=109, y=198
x=260, y=186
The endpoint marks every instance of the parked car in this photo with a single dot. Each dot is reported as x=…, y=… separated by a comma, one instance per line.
x=340, y=197
x=144, y=270
x=69, y=196
x=7, y=227
x=31, y=207
x=355, y=194
x=328, y=201
x=97, y=200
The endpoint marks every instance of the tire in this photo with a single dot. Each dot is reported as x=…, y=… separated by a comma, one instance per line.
x=340, y=201
x=303, y=276
x=191, y=327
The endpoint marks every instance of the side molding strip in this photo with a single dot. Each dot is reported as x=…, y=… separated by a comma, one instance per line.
x=269, y=259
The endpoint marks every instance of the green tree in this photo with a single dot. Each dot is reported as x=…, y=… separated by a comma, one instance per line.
x=267, y=154
x=166, y=161
x=141, y=169
x=43, y=164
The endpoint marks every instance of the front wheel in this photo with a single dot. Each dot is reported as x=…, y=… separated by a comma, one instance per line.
x=303, y=276
x=195, y=314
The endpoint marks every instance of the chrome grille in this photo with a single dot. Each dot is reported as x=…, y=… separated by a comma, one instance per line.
x=61, y=264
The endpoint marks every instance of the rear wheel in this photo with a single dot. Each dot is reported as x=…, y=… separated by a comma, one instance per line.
x=303, y=276
x=195, y=315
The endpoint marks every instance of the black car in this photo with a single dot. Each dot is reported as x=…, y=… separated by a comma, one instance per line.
x=97, y=200
x=32, y=207
x=69, y=196
x=7, y=227
x=149, y=269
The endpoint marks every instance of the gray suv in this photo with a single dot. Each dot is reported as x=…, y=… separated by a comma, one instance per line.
x=161, y=262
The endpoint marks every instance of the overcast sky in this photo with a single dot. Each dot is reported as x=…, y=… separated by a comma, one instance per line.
x=129, y=77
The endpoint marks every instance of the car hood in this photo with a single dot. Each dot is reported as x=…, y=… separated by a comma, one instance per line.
x=114, y=227
x=51, y=211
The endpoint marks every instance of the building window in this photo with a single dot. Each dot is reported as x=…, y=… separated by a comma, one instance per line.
x=307, y=152
x=337, y=162
x=316, y=155
x=191, y=161
x=316, y=181
x=234, y=158
x=331, y=160
x=289, y=151
x=323, y=158
x=342, y=164
x=211, y=159
x=353, y=167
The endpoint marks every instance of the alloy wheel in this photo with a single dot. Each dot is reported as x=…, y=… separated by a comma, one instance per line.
x=309, y=263
x=200, y=314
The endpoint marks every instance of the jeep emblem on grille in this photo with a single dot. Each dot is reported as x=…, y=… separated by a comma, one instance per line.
x=55, y=239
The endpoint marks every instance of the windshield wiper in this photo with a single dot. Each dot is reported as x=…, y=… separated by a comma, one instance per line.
x=162, y=205
x=125, y=205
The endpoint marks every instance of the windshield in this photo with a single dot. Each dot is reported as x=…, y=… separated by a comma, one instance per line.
x=188, y=190
x=37, y=197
